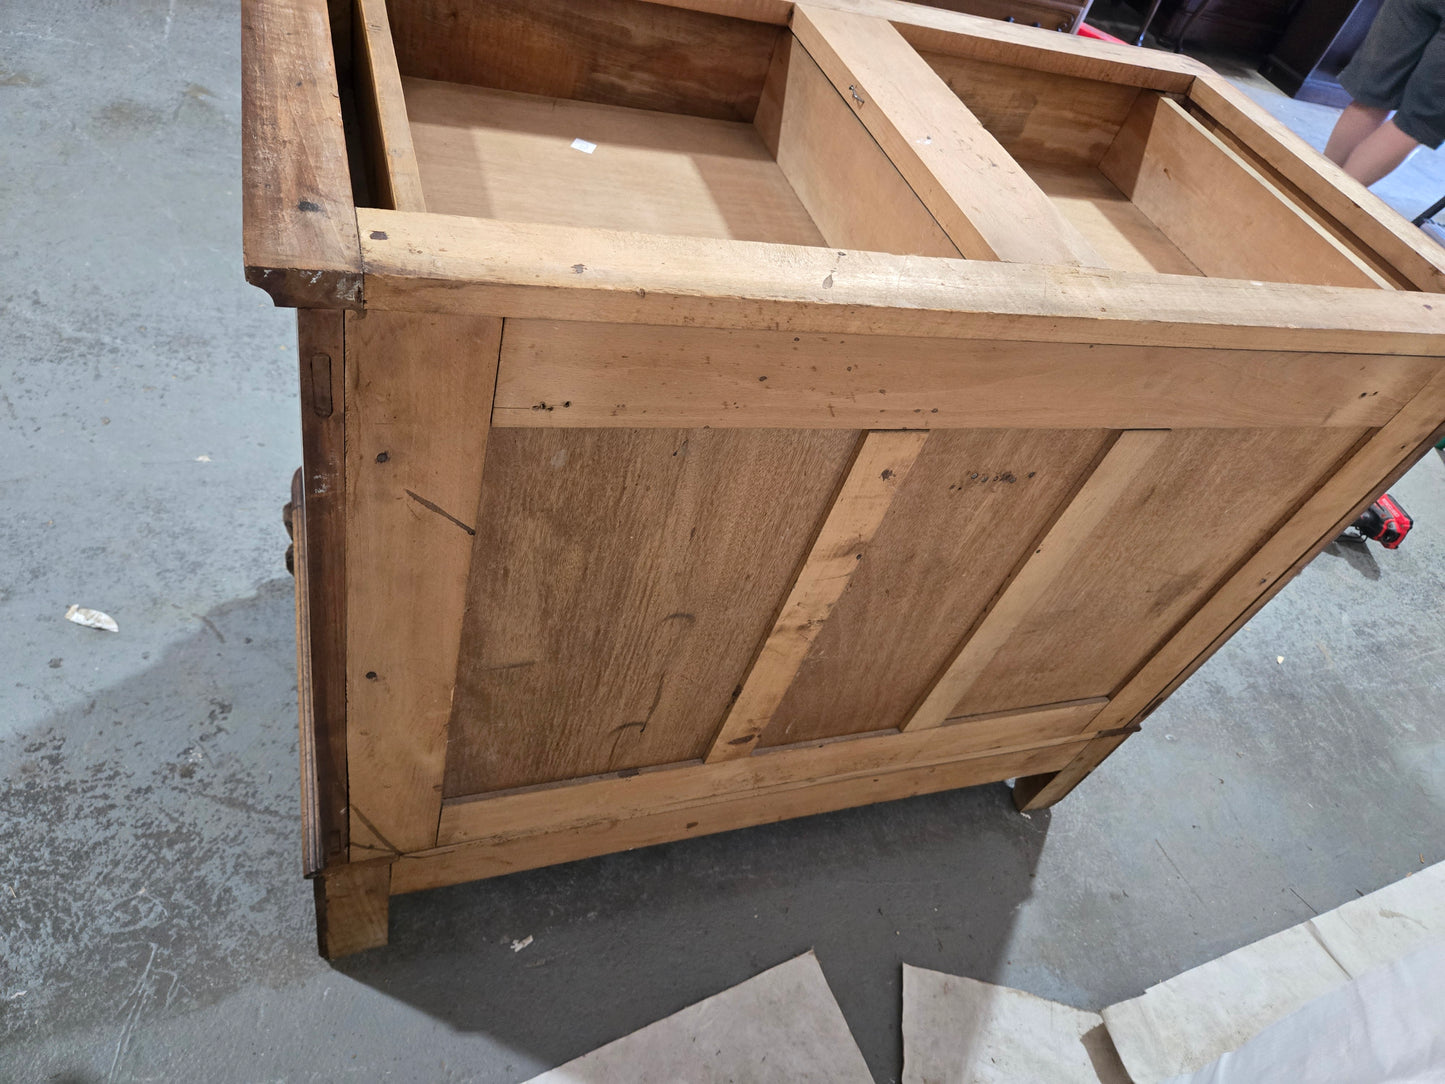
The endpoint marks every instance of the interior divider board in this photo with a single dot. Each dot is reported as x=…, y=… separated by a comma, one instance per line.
x=1039, y=116
x=574, y=805
x=1358, y=210
x=432, y=263
x=564, y=374
x=391, y=159
x=420, y=391
x=1304, y=201
x=1204, y=196
x=850, y=188
x=938, y=145
x=1110, y=481
x=883, y=461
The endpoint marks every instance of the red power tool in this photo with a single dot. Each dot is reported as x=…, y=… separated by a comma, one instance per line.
x=1384, y=521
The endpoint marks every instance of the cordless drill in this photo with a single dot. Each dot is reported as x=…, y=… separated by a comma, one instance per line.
x=1384, y=521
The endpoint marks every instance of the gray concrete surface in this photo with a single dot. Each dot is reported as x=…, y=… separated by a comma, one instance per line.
x=153, y=923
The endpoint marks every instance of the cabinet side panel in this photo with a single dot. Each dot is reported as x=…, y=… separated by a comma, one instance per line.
x=963, y=518
x=622, y=582
x=1205, y=502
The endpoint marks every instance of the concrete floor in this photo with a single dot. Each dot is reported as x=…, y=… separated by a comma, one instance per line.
x=153, y=921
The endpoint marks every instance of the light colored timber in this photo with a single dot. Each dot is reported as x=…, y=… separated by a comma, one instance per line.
x=606, y=835
x=419, y=394
x=938, y=145
x=878, y=470
x=504, y=155
x=1122, y=234
x=1039, y=116
x=297, y=216
x=437, y=263
x=1206, y=198
x=383, y=110
x=1407, y=250
x=1372, y=470
x=1116, y=473
x=589, y=374
x=854, y=194
x=577, y=805
x=934, y=29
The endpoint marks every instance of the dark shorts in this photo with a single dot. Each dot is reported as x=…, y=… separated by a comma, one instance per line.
x=1401, y=66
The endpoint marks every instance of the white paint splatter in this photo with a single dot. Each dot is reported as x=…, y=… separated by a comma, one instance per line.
x=518, y=946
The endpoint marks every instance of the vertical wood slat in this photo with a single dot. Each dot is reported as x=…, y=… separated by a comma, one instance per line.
x=878, y=469
x=420, y=393
x=320, y=565
x=382, y=105
x=938, y=145
x=1369, y=472
x=1189, y=182
x=1108, y=483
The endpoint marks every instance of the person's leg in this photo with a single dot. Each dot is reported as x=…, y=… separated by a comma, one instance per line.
x=1355, y=124
x=1375, y=79
x=1379, y=153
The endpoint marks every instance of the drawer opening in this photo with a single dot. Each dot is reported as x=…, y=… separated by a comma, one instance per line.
x=623, y=115
x=1146, y=184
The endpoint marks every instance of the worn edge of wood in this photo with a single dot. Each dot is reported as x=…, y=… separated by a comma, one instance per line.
x=872, y=479
x=604, y=834
x=299, y=226
x=438, y=263
x=1107, y=483
x=320, y=559
x=1371, y=470
x=312, y=847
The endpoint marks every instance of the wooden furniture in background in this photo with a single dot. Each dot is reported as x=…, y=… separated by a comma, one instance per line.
x=1318, y=42
x=722, y=411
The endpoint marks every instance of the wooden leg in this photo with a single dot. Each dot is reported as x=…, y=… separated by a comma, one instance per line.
x=352, y=907
x=1041, y=791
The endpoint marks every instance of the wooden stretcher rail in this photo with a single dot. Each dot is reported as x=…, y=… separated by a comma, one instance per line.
x=435, y=263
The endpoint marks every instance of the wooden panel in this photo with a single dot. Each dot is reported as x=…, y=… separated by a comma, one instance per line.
x=1407, y=249
x=937, y=144
x=1203, y=502
x=498, y=154
x=622, y=582
x=1112, y=485
x=1121, y=233
x=1039, y=116
x=968, y=511
x=603, y=832
x=320, y=564
x=434, y=263
x=635, y=375
x=1206, y=198
x=577, y=804
x=1306, y=203
x=618, y=52
x=874, y=477
x=852, y=191
x=419, y=394
x=391, y=159
x=298, y=220
x=1370, y=471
